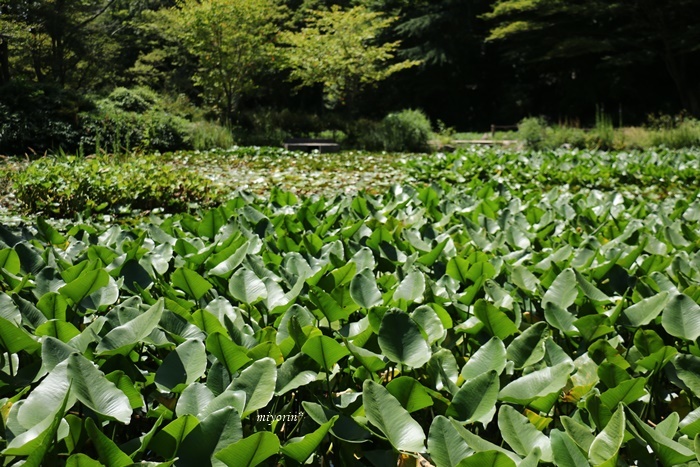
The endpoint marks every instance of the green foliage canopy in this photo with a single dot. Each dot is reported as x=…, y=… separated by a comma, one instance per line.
x=614, y=34
x=232, y=42
x=58, y=41
x=338, y=49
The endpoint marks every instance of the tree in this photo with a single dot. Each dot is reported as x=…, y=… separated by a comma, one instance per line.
x=616, y=34
x=339, y=49
x=447, y=37
x=140, y=42
x=434, y=31
x=232, y=42
x=58, y=40
x=8, y=31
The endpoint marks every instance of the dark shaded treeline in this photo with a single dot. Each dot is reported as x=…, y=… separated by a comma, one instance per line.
x=484, y=62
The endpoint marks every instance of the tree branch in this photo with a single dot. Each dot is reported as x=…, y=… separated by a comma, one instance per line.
x=91, y=18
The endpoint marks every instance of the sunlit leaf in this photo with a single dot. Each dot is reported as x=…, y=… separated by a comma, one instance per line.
x=385, y=412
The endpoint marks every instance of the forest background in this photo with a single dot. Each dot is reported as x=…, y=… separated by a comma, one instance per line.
x=163, y=74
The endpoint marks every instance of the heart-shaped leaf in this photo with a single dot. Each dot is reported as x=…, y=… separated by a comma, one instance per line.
x=250, y=451
x=411, y=287
x=522, y=435
x=364, y=290
x=258, y=383
x=476, y=399
x=446, y=446
x=385, y=412
x=563, y=291
x=539, y=383
x=401, y=341
x=246, y=287
x=85, y=284
x=133, y=331
x=412, y=395
x=190, y=282
x=324, y=350
x=186, y=364
x=681, y=317
x=606, y=445
x=300, y=449
x=97, y=392
x=490, y=356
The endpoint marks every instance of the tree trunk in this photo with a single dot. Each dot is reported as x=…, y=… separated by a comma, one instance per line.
x=36, y=62
x=4, y=61
x=687, y=92
x=676, y=60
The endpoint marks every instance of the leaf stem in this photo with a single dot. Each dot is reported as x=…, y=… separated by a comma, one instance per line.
x=298, y=424
x=328, y=388
x=12, y=368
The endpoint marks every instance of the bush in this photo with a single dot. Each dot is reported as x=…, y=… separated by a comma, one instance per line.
x=662, y=121
x=270, y=127
x=138, y=118
x=603, y=135
x=405, y=131
x=269, y=136
x=532, y=131
x=207, y=135
x=117, y=132
x=66, y=186
x=684, y=135
x=366, y=134
x=165, y=132
x=111, y=131
x=38, y=118
x=635, y=137
x=560, y=136
x=673, y=132
x=408, y=130
x=339, y=136
x=140, y=99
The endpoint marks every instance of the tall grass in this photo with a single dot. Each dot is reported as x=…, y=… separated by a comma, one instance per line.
x=685, y=134
x=603, y=135
x=207, y=135
x=536, y=135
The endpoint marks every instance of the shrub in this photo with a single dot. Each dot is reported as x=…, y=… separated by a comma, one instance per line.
x=635, y=137
x=38, y=118
x=165, y=132
x=207, y=135
x=365, y=134
x=264, y=127
x=532, y=131
x=266, y=136
x=662, y=121
x=684, y=135
x=338, y=136
x=181, y=106
x=140, y=99
x=111, y=129
x=66, y=186
x=559, y=136
x=270, y=127
x=408, y=130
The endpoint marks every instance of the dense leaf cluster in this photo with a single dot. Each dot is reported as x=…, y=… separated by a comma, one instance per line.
x=65, y=186
x=657, y=170
x=493, y=321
